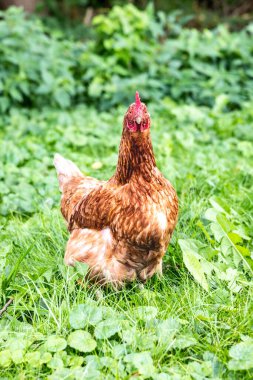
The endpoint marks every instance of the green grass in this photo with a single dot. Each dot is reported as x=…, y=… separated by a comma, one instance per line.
x=188, y=333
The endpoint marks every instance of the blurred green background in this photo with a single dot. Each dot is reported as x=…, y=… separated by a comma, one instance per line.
x=71, y=52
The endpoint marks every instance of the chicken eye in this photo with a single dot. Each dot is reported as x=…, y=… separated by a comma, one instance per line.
x=144, y=126
x=131, y=125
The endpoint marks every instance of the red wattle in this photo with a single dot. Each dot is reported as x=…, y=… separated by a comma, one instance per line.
x=143, y=127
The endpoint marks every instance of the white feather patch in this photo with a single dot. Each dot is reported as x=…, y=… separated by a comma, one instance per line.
x=65, y=169
x=162, y=220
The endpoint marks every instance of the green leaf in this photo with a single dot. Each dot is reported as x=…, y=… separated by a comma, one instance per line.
x=243, y=250
x=234, y=237
x=85, y=314
x=75, y=361
x=62, y=98
x=18, y=343
x=82, y=341
x=225, y=226
x=45, y=357
x=81, y=268
x=184, y=341
x=5, y=358
x=63, y=373
x=192, y=262
x=219, y=205
x=201, y=370
x=5, y=249
x=55, y=363
x=17, y=356
x=167, y=329
x=242, y=356
x=141, y=362
x=162, y=376
x=33, y=359
x=226, y=247
x=211, y=214
x=129, y=335
x=146, y=313
x=55, y=343
x=107, y=328
x=217, y=231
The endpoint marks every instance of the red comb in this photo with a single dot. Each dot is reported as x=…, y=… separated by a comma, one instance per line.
x=137, y=101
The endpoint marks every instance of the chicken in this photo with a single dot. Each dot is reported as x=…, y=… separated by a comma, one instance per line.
x=121, y=227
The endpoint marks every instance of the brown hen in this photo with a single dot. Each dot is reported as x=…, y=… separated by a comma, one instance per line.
x=121, y=227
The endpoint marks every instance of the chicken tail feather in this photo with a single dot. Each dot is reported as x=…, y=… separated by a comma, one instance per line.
x=65, y=169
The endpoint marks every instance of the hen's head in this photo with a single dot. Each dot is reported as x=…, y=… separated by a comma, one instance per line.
x=137, y=118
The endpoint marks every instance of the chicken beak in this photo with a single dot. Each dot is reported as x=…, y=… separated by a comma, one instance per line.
x=138, y=120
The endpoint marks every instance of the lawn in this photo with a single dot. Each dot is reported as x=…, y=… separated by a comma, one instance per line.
x=197, y=321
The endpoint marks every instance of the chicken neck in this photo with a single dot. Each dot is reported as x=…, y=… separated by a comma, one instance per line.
x=136, y=156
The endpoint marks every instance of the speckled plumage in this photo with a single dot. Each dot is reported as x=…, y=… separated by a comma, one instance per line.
x=121, y=227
